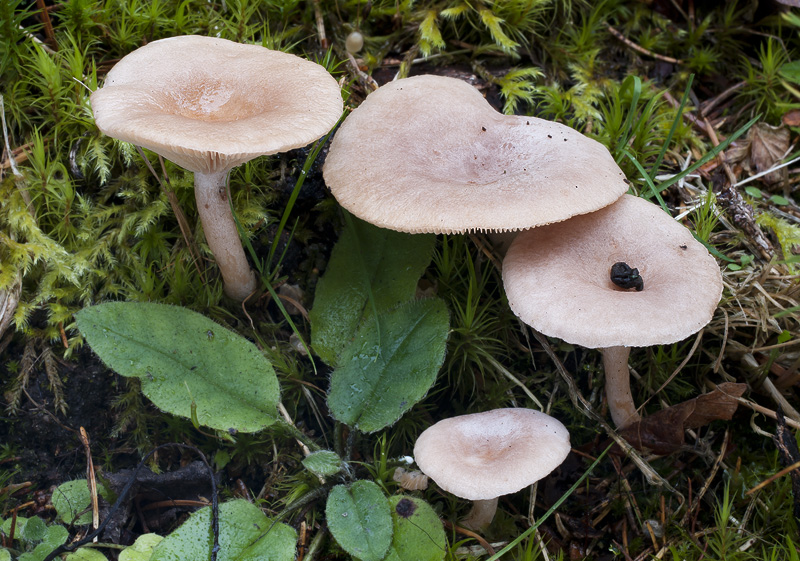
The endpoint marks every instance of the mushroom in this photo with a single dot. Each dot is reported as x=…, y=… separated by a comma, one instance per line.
x=442, y=160
x=625, y=276
x=485, y=455
x=209, y=105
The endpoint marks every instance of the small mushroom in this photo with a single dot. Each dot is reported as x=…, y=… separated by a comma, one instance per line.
x=564, y=280
x=209, y=105
x=485, y=455
x=442, y=160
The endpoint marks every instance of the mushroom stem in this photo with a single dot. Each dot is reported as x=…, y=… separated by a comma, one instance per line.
x=211, y=193
x=618, y=386
x=481, y=514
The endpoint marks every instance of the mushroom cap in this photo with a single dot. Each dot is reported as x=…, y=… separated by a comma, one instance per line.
x=486, y=455
x=557, y=278
x=210, y=104
x=429, y=154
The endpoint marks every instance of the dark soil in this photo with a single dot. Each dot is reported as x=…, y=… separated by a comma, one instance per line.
x=44, y=444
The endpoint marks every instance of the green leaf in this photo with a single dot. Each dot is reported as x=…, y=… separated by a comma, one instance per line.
x=386, y=372
x=5, y=555
x=791, y=71
x=72, y=498
x=183, y=359
x=323, y=462
x=86, y=554
x=34, y=531
x=19, y=526
x=418, y=532
x=142, y=548
x=359, y=519
x=54, y=537
x=779, y=200
x=245, y=534
x=365, y=260
x=754, y=192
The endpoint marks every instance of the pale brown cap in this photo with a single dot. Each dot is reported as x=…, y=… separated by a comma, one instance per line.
x=429, y=154
x=210, y=104
x=486, y=455
x=557, y=278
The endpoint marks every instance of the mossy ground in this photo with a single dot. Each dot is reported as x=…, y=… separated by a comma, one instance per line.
x=83, y=221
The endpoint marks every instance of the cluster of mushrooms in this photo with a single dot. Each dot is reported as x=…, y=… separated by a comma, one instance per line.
x=592, y=266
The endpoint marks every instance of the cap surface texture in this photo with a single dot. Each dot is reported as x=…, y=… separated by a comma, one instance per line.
x=557, y=278
x=210, y=104
x=486, y=455
x=430, y=154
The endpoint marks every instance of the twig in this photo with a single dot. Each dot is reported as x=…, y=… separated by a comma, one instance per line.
x=323, y=40
x=285, y=414
x=709, y=104
x=90, y=478
x=48, y=25
x=367, y=81
x=756, y=407
x=765, y=172
x=773, y=477
x=500, y=368
x=640, y=49
x=464, y=532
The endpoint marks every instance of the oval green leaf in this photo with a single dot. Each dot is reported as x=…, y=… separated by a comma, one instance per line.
x=245, y=534
x=142, y=548
x=418, y=532
x=323, y=462
x=184, y=359
x=71, y=501
x=358, y=518
x=86, y=554
x=365, y=260
x=387, y=370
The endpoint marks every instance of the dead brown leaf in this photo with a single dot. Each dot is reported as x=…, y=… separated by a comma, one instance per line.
x=792, y=118
x=763, y=148
x=662, y=432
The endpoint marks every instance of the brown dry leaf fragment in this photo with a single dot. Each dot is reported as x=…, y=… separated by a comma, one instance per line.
x=792, y=118
x=662, y=432
x=768, y=146
x=716, y=405
x=762, y=148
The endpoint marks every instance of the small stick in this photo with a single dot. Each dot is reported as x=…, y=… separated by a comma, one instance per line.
x=772, y=478
x=323, y=40
x=175, y=502
x=91, y=480
x=709, y=104
x=48, y=25
x=640, y=49
x=63, y=334
x=758, y=408
x=464, y=532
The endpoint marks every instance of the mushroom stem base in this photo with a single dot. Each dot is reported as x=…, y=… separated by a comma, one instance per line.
x=618, y=386
x=481, y=514
x=211, y=193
